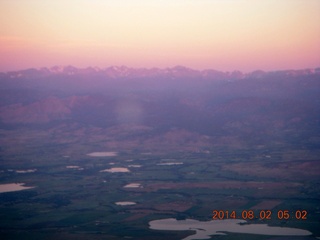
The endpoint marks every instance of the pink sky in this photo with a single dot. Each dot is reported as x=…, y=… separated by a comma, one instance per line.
x=223, y=35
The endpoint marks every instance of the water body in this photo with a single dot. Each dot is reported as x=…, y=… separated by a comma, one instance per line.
x=116, y=169
x=72, y=167
x=132, y=185
x=125, y=203
x=170, y=163
x=135, y=165
x=221, y=227
x=12, y=187
x=26, y=171
x=102, y=154
x=75, y=167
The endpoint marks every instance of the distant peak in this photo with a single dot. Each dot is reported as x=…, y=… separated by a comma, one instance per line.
x=62, y=69
x=180, y=67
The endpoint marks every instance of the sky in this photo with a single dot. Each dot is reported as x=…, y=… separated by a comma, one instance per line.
x=225, y=35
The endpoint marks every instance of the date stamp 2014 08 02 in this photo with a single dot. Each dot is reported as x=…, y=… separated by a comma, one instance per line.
x=261, y=214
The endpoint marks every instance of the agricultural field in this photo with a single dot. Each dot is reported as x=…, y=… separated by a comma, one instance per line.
x=72, y=197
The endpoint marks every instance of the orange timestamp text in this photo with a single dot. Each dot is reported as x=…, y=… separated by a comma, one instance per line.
x=261, y=214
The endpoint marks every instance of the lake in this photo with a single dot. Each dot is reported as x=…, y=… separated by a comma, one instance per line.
x=102, y=154
x=169, y=163
x=221, y=227
x=12, y=187
x=116, y=169
x=125, y=203
x=133, y=185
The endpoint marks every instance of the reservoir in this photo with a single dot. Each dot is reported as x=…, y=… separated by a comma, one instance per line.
x=125, y=203
x=221, y=227
x=12, y=187
x=116, y=169
x=102, y=154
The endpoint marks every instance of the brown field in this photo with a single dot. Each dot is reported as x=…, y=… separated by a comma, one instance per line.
x=222, y=185
x=174, y=206
x=267, y=204
x=282, y=170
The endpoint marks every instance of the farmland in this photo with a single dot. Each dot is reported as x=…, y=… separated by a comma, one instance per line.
x=107, y=155
x=80, y=202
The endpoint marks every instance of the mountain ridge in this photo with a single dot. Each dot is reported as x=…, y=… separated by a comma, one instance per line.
x=176, y=71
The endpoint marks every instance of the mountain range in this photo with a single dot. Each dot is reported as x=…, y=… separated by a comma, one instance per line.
x=173, y=107
x=131, y=73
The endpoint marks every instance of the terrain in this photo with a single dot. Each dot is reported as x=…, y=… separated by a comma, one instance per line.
x=192, y=142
